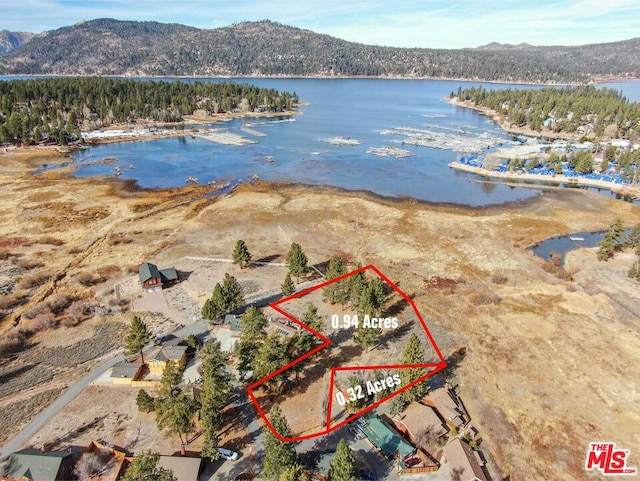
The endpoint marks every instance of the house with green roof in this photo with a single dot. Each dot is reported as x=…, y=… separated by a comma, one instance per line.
x=31, y=464
x=154, y=279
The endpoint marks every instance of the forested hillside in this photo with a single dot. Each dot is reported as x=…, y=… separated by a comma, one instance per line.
x=9, y=41
x=587, y=110
x=55, y=110
x=112, y=47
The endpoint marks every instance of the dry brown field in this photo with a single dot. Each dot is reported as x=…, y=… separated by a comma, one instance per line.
x=550, y=361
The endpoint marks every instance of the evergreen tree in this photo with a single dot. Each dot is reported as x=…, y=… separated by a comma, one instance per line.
x=137, y=337
x=270, y=357
x=216, y=386
x=175, y=414
x=288, y=287
x=145, y=402
x=413, y=354
x=145, y=467
x=343, y=464
x=612, y=240
x=357, y=285
x=296, y=261
x=252, y=335
x=633, y=240
x=241, y=255
x=336, y=291
x=634, y=271
x=226, y=297
x=366, y=336
x=279, y=456
x=294, y=473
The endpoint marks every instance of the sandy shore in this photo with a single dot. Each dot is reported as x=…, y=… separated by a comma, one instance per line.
x=627, y=190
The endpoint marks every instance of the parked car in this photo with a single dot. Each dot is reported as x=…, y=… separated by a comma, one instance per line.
x=412, y=461
x=227, y=454
x=368, y=475
x=357, y=434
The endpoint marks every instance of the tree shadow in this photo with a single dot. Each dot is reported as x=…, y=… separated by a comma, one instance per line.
x=184, y=275
x=7, y=376
x=69, y=436
x=270, y=258
x=444, y=376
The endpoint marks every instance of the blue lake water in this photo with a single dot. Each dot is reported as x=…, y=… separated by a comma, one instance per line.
x=355, y=108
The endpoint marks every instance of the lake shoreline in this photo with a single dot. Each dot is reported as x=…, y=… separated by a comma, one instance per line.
x=558, y=179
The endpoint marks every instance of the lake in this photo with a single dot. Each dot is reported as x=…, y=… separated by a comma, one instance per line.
x=297, y=152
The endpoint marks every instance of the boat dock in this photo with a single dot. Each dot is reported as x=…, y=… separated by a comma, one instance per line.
x=226, y=138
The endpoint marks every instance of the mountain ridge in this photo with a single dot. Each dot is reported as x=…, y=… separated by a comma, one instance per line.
x=266, y=48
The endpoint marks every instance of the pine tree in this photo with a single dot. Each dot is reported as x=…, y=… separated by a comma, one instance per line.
x=343, y=464
x=357, y=285
x=294, y=473
x=288, y=287
x=216, y=386
x=296, y=261
x=279, y=456
x=145, y=402
x=413, y=354
x=270, y=357
x=137, y=337
x=241, y=255
x=226, y=297
x=252, y=335
x=336, y=291
x=175, y=414
x=145, y=467
x=633, y=240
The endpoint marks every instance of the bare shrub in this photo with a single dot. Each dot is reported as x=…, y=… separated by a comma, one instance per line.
x=33, y=280
x=133, y=269
x=9, y=301
x=591, y=288
x=116, y=239
x=50, y=240
x=499, y=278
x=59, y=303
x=39, y=308
x=77, y=312
x=572, y=288
x=549, y=267
x=484, y=298
x=91, y=464
x=87, y=279
x=12, y=341
x=28, y=264
x=5, y=254
x=42, y=322
x=564, y=275
x=75, y=250
x=108, y=271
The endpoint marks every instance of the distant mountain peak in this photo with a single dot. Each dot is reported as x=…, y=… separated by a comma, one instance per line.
x=106, y=46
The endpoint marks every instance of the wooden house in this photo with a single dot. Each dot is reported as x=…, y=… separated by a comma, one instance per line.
x=154, y=279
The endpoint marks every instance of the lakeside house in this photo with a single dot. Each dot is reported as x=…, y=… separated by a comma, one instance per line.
x=464, y=463
x=446, y=401
x=31, y=464
x=154, y=279
x=159, y=359
x=184, y=468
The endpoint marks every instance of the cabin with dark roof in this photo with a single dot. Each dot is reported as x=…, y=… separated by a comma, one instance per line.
x=31, y=464
x=154, y=279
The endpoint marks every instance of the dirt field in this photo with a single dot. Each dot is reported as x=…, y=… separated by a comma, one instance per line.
x=550, y=364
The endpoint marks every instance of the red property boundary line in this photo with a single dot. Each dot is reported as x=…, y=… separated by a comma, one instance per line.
x=433, y=367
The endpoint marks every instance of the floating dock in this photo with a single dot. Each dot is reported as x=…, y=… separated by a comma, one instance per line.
x=390, y=152
x=226, y=138
x=340, y=140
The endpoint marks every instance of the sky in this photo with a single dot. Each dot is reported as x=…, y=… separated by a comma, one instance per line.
x=398, y=23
